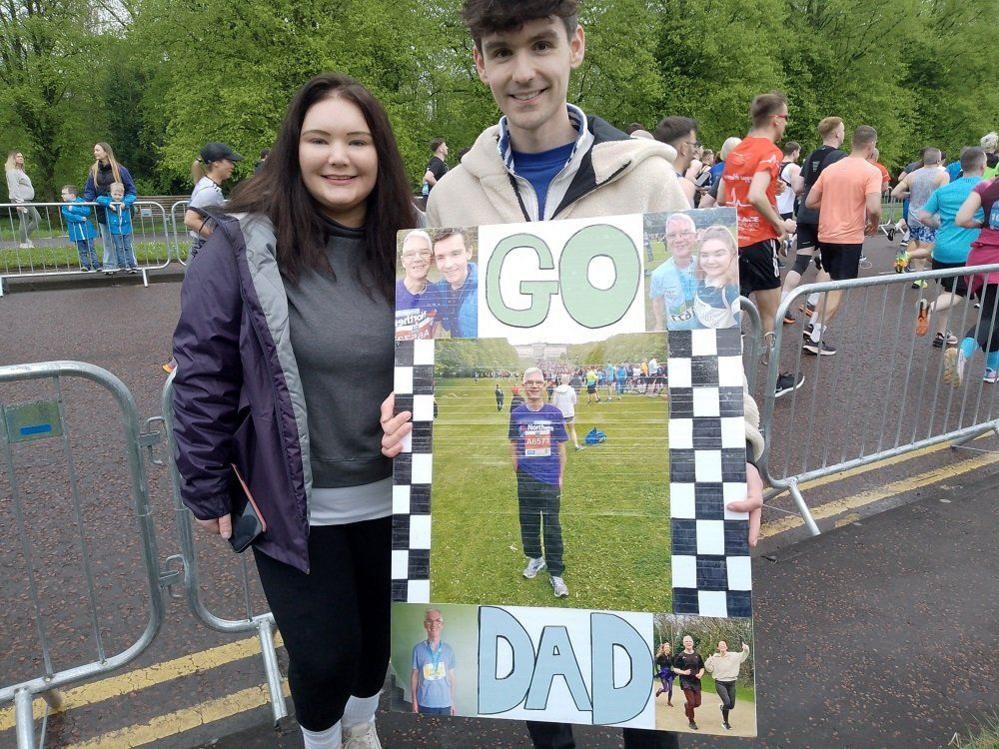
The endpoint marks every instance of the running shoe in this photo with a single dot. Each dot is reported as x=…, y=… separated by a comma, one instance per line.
x=921, y=284
x=170, y=366
x=954, y=361
x=363, y=736
x=787, y=383
x=692, y=725
x=901, y=261
x=808, y=308
x=534, y=566
x=923, y=318
x=991, y=376
x=818, y=348
x=559, y=587
x=789, y=318
x=944, y=338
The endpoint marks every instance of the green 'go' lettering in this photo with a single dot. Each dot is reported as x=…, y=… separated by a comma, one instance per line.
x=540, y=292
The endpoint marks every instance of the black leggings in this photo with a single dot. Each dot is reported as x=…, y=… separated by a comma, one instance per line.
x=726, y=691
x=335, y=620
x=986, y=329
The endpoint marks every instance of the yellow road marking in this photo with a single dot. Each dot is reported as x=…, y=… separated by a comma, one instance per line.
x=830, y=509
x=143, y=678
x=171, y=724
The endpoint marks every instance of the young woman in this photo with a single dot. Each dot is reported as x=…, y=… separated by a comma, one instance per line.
x=20, y=190
x=664, y=664
x=285, y=350
x=209, y=172
x=716, y=301
x=724, y=666
x=105, y=172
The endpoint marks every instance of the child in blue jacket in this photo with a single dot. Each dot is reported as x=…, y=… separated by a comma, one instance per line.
x=79, y=228
x=118, y=208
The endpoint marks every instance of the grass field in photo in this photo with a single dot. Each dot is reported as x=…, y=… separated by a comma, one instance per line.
x=614, y=510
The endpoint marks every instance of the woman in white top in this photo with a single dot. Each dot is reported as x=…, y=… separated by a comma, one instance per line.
x=564, y=399
x=20, y=190
x=212, y=168
x=789, y=169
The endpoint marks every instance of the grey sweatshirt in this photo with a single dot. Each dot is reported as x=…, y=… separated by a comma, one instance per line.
x=19, y=186
x=343, y=341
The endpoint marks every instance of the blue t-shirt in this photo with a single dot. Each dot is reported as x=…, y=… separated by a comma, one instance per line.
x=415, y=314
x=458, y=310
x=538, y=435
x=540, y=169
x=433, y=668
x=954, y=170
x=953, y=243
x=676, y=287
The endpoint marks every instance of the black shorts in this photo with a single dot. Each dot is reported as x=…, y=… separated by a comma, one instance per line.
x=841, y=261
x=955, y=284
x=808, y=236
x=758, y=269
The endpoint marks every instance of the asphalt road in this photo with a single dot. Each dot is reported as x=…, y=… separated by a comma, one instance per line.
x=859, y=397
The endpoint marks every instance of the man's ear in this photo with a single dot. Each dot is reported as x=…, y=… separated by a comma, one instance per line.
x=577, y=47
x=480, y=64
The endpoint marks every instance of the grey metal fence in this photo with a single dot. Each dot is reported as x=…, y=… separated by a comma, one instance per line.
x=844, y=417
x=37, y=239
x=22, y=425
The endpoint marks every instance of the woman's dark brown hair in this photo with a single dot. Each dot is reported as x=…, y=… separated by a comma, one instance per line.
x=278, y=191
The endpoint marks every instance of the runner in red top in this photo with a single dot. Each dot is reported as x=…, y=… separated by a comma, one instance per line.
x=750, y=183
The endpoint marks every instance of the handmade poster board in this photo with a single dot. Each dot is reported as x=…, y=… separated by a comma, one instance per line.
x=555, y=418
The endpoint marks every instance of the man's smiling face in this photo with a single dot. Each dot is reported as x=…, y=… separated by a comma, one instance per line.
x=528, y=69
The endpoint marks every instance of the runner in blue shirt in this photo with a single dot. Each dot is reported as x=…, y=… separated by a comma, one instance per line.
x=953, y=243
x=672, y=285
x=457, y=297
x=415, y=305
x=537, y=445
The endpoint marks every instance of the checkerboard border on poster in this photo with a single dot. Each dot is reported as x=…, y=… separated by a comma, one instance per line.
x=710, y=551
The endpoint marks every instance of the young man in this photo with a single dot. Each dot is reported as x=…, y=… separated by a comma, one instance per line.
x=749, y=182
x=953, y=243
x=849, y=196
x=432, y=681
x=456, y=294
x=681, y=134
x=832, y=131
x=546, y=159
x=789, y=169
x=437, y=166
x=673, y=284
x=537, y=437
x=917, y=186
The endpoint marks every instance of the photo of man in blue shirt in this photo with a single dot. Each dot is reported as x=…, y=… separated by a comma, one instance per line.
x=457, y=293
x=432, y=680
x=673, y=284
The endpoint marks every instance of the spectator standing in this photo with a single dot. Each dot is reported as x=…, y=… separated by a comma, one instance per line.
x=20, y=190
x=118, y=210
x=210, y=171
x=264, y=153
x=265, y=382
x=106, y=171
x=79, y=228
x=437, y=166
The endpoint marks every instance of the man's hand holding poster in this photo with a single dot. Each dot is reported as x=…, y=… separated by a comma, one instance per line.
x=562, y=549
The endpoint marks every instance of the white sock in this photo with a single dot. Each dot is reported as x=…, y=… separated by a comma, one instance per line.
x=329, y=739
x=817, y=332
x=813, y=299
x=360, y=710
x=814, y=319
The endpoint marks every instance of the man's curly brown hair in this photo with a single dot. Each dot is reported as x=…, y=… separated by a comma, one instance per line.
x=484, y=17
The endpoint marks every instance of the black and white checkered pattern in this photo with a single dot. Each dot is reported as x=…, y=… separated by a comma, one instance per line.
x=707, y=440
x=414, y=391
x=710, y=553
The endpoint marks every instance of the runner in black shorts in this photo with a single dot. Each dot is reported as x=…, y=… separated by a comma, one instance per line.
x=758, y=269
x=841, y=261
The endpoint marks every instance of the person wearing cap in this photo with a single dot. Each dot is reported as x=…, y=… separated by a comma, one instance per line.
x=213, y=167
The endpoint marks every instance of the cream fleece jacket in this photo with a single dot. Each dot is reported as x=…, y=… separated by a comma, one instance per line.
x=725, y=668
x=631, y=176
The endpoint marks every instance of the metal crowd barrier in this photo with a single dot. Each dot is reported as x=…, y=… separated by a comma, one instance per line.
x=262, y=623
x=46, y=420
x=34, y=240
x=181, y=237
x=842, y=417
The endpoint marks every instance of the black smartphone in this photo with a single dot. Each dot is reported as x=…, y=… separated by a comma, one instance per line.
x=247, y=522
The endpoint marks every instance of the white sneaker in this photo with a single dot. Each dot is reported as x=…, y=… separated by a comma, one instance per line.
x=991, y=376
x=534, y=566
x=363, y=736
x=559, y=586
